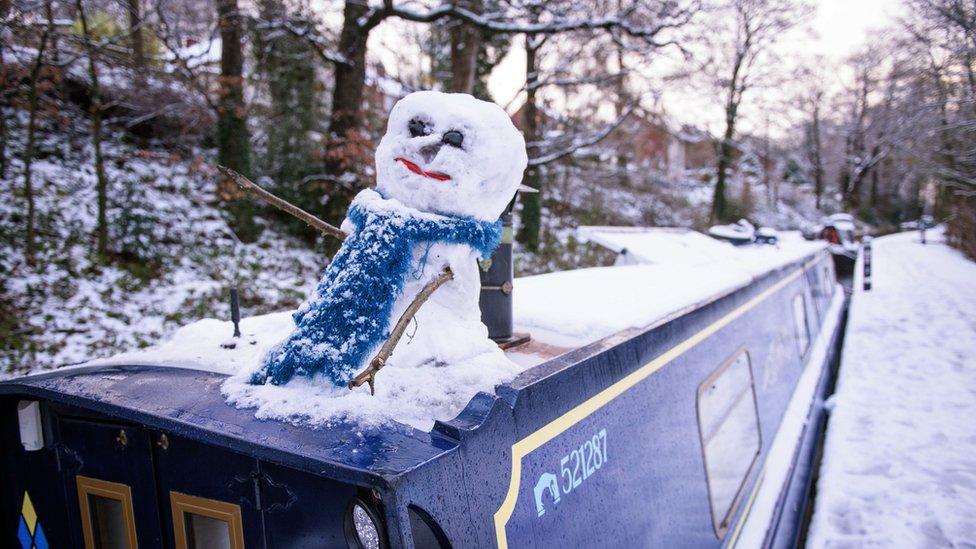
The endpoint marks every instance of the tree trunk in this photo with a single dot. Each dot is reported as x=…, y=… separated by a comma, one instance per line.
x=346, y=140
x=233, y=138
x=873, y=197
x=531, y=216
x=95, y=111
x=3, y=137
x=4, y=101
x=136, y=42
x=33, y=100
x=720, y=204
x=853, y=174
x=620, y=105
x=767, y=166
x=465, y=44
x=816, y=150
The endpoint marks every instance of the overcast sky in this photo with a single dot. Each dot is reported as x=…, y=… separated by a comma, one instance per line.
x=838, y=28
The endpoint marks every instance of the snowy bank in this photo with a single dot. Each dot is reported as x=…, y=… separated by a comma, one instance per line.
x=899, y=466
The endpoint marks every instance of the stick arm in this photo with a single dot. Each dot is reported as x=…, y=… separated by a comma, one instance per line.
x=253, y=189
x=368, y=375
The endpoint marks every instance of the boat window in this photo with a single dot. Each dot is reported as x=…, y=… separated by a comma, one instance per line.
x=107, y=520
x=800, y=324
x=206, y=523
x=728, y=422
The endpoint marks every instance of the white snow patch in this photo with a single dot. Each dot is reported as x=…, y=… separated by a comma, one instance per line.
x=580, y=306
x=899, y=466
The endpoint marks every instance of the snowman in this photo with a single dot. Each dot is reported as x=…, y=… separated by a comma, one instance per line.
x=446, y=169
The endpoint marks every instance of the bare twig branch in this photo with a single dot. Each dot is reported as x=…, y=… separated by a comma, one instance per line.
x=252, y=188
x=322, y=47
x=581, y=142
x=618, y=21
x=368, y=375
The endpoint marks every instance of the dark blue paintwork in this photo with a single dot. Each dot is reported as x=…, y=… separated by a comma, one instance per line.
x=295, y=483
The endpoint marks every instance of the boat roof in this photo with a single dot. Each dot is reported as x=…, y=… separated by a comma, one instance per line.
x=563, y=311
x=344, y=451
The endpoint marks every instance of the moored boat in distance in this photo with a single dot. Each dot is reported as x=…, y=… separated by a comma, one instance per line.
x=673, y=400
x=840, y=232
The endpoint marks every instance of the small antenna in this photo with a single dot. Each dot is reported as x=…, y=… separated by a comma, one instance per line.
x=235, y=316
x=235, y=311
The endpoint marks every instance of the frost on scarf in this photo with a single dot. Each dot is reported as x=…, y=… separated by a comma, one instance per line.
x=349, y=316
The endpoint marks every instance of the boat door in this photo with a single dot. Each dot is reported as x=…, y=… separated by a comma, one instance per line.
x=208, y=497
x=110, y=484
x=130, y=487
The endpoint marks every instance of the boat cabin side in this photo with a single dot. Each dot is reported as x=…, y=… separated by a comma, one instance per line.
x=111, y=457
x=658, y=433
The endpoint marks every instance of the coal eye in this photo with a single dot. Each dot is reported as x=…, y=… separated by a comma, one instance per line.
x=453, y=138
x=417, y=128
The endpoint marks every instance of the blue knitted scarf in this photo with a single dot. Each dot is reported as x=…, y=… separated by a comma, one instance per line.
x=348, y=317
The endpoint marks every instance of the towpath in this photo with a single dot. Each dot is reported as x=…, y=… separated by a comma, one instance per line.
x=899, y=466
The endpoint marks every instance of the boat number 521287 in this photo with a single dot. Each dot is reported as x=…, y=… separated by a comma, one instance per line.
x=574, y=468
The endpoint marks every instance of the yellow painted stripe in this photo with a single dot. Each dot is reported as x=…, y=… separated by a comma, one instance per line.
x=557, y=426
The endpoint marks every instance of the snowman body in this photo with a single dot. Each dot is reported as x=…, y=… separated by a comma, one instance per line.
x=446, y=169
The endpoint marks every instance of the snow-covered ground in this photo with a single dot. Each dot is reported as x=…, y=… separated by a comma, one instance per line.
x=175, y=257
x=899, y=466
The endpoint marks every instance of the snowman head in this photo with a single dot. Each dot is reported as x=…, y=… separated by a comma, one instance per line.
x=451, y=154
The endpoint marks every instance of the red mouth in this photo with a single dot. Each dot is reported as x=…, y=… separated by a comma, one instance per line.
x=420, y=171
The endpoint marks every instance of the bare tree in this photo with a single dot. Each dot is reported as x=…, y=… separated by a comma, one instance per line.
x=136, y=41
x=944, y=31
x=531, y=219
x=465, y=43
x=812, y=98
x=95, y=111
x=233, y=137
x=346, y=143
x=755, y=26
x=816, y=146
x=33, y=100
x=659, y=22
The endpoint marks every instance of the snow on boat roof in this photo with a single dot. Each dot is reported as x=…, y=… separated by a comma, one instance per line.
x=573, y=308
x=562, y=311
x=659, y=244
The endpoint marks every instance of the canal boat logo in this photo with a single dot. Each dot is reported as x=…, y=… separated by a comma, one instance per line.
x=547, y=481
x=574, y=467
x=29, y=530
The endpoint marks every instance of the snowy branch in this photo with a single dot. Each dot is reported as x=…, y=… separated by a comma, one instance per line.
x=668, y=17
x=581, y=142
x=319, y=44
x=252, y=188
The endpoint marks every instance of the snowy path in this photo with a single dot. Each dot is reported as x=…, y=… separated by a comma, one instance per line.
x=899, y=466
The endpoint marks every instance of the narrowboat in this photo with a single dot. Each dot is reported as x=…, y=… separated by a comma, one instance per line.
x=838, y=230
x=687, y=413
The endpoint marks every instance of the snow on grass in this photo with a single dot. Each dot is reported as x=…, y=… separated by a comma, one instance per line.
x=899, y=466
x=174, y=256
